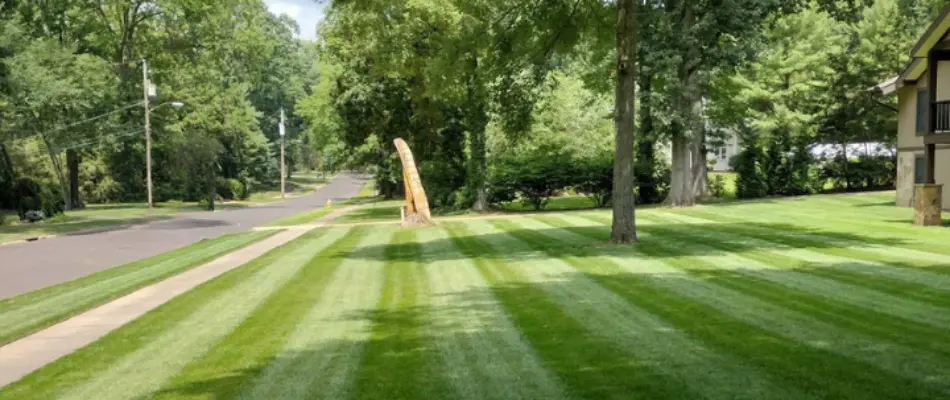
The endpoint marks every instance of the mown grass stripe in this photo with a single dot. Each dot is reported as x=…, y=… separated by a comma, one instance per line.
x=589, y=364
x=830, y=349
x=146, y=370
x=31, y=312
x=829, y=289
x=59, y=378
x=891, y=251
x=483, y=352
x=867, y=321
x=848, y=225
x=399, y=359
x=240, y=358
x=775, y=248
x=319, y=357
x=651, y=340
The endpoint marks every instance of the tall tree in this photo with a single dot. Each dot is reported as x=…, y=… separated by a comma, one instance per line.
x=623, y=229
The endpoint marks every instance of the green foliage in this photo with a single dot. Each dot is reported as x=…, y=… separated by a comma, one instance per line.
x=651, y=174
x=593, y=177
x=717, y=187
x=751, y=181
x=231, y=189
x=540, y=175
x=864, y=173
x=34, y=196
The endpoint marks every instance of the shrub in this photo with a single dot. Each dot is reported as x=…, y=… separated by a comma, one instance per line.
x=443, y=180
x=594, y=178
x=717, y=186
x=750, y=180
x=229, y=189
x=652, y=181
x=535, y=176
x=865, y=173
x=36, y=197
x=651, y=174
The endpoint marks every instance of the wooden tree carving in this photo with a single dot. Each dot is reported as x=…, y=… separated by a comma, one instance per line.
x=417, y=205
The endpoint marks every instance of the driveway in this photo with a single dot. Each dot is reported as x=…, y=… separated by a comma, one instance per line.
x=29, y=266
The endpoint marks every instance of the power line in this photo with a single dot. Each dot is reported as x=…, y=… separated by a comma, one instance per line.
x=62, y=128
x=88, y=143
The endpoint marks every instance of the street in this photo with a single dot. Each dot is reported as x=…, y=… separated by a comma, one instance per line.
x=25, y=267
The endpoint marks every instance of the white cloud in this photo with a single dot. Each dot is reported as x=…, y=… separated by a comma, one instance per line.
x=307, y=13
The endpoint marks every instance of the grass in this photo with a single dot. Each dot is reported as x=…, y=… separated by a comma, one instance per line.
x=807, y=298
x=303, y=218
x=30, y=312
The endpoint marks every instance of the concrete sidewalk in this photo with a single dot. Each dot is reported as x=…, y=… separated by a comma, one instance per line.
x=20, y=358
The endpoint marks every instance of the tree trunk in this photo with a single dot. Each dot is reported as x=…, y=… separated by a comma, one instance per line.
x=8, y=170
x=681, y=184
x=645, y=162
x=700, y=184
x=58, y=168
x=623, y=228
x=476, y=122
x=72, y=164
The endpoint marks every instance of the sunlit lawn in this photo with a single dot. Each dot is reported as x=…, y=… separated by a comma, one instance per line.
x=828, y=297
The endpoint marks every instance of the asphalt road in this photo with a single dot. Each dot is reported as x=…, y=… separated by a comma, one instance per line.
x=25, y=267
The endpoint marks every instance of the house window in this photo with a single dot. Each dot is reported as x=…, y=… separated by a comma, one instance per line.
x=922, y=99
x=919, y=166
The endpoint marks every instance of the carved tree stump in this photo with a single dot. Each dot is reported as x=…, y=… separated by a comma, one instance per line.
x=417, y=205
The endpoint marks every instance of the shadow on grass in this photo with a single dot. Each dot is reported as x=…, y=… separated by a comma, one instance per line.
x=910, y=221
x=589, y=348
x=806, y=238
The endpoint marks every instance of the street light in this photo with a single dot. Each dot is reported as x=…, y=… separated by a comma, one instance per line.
x=283, y=172
x=148, y=144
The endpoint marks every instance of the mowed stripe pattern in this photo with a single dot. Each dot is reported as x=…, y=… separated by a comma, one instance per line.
x=712, y=305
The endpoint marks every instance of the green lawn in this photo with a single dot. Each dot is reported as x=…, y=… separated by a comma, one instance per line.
x=303, y=218
x=827, y=297
x=33, y=311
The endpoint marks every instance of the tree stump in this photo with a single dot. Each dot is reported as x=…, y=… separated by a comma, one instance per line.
x=417, y=205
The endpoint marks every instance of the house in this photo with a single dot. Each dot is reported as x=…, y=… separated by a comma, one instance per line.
x=721, y=151
x=923, y=133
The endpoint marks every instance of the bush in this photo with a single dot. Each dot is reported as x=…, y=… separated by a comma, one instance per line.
x=229, y=189
x=536, y=176
x=750, y=180
x=717, y=186
x=36, y=197
x=443, y=180
x=103, y=191
x=594, y=178
x=865, y=173
x=652, y=181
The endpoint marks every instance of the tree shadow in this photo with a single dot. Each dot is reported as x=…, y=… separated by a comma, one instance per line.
x=589, y=347
x=910, y=221
x=597, y=237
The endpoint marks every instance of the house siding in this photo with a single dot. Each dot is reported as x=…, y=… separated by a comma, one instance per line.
x=910, y=145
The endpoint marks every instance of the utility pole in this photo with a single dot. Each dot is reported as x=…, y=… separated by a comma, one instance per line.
x=146, y=85
x=283, y=172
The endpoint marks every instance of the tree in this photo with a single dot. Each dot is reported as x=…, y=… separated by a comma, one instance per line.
x=623, y=227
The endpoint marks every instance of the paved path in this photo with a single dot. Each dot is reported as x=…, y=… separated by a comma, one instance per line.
x=20, y=358
x=25, y=267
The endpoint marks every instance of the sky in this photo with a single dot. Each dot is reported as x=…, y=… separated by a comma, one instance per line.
x=307, y=13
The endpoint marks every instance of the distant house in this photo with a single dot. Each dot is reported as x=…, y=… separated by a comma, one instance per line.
x=923, y=133
x=720, y=151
